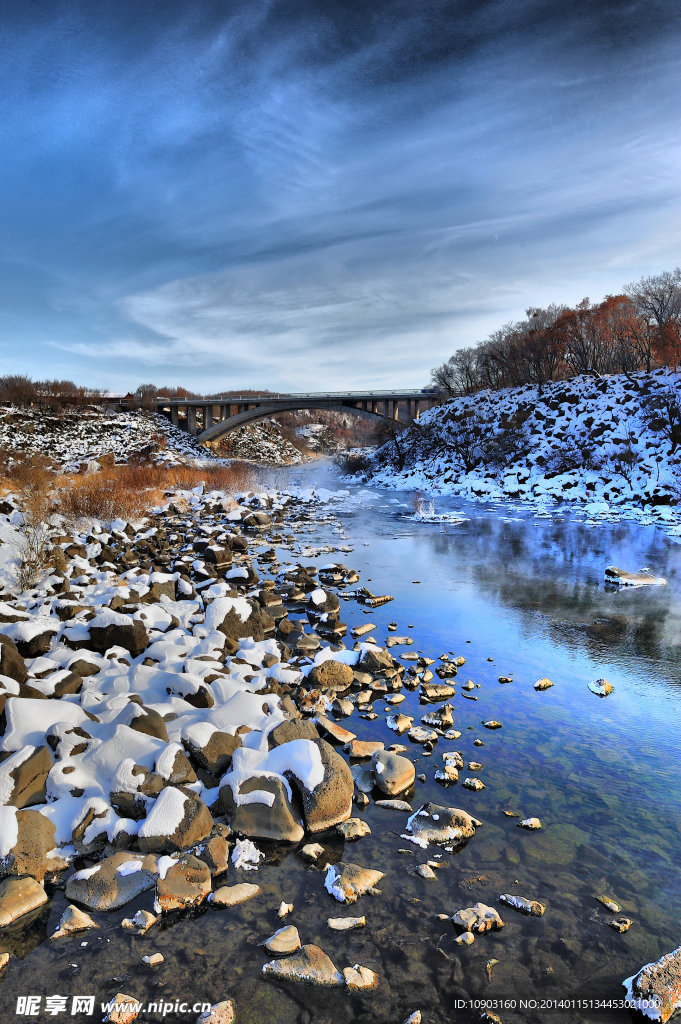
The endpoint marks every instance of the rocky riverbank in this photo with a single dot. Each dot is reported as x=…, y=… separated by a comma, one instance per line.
x=177, y=706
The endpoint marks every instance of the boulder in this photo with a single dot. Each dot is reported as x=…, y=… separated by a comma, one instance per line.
x=11, y=662
x=177, y=821
x=358, y=978
x=622, y=578
x=19, y=896
x=656, y=989
x=331, y=801
x=36, y=644
x=279, y=822
x=215, y=853
x=35, y=839
x=363, y=749
x=300, y=729
x=433, y=823
x=375, y=660
x=150, y=723
x=131, y=635
x=323, y=602
x=394, y=774
x=180, y=772
x=353, y=828
x=347, y=882
x=309, y=966
x=23, y=776
x=238, y=617
x=330, y=675
x=114, y=881
x=124, y=1009
x=186, y=884
x=215, y=756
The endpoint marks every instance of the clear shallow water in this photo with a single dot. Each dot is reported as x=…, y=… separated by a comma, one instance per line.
x=602, y=775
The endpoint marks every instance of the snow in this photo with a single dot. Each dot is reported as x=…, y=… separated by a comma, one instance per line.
x=28, y=719
x=220, y=608
x=9, y=830
x=300, y=757
x=318, y=597
x=166, y=814
x=246, y=855
x=8, y=766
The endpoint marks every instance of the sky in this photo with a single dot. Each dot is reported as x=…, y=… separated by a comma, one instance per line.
x=320, y=196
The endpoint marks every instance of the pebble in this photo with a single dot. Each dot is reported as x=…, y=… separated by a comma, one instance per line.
x=523, y=905
x=73, y=920
x=353, y=828
x=476, y=743
x=414, y=1018
x=601, y=687
x=474, y=784
x=491, y=724
x=609, y=904
x=312, y=851
x=310, y=966
x=478, y=918
x=284, y=909
x=531, y=824
x=4, y=960
x=231, y=895
x=620, y=924
x=358, y=977
x=425, y=871
x=121, y=1016
x=465, y=939
x=543, y=684
x=219, y=1013
x=140, y=923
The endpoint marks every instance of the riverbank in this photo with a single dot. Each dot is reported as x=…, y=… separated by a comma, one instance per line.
x=518, y=598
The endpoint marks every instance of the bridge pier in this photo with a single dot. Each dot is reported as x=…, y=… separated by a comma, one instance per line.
x=417, y=409
x=174, y=415
x=207, y=417
x=191, y=419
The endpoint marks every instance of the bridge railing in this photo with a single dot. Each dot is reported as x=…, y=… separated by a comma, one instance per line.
x=285, y=396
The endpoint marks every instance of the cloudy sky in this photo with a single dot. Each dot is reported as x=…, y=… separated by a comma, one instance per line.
x=327, y=194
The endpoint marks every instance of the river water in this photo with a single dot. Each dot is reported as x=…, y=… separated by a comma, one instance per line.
x=517, y=595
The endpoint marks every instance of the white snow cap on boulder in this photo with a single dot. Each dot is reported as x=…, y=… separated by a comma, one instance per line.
x=300, y=757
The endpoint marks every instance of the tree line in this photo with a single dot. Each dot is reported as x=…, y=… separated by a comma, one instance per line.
x=640, y=329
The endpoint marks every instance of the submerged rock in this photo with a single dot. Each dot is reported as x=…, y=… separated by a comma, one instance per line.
x=622, y=578
x=358, y=977
x=543, y=684
x=232, y=895
x=309, y=966
x=609, y=904
x=353, y=828
x=620, y=924
x=531, y=824
x=656, y=989
x=395, y=805
x=219, y=1013
x=113, y=882
x=346, y=924
x=347, y=882
x=124, y=1009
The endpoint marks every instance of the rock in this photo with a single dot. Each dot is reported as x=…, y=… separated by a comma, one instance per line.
x=395, y=805
x=394, y=774
x=215, y=853
x=215, y=756
x=186, y=884
x=128, y=634
x=475, y=784
x=195, y=822
x=399, y=723
x=286, y=940
x=478, y=918
x=124, y=1009
x=433, y=823
x=492, y=724
x=18, y=896
x=73, y=920
x=181, y=771
x=4, y=960
x=331, y=801
x=609, y=904
x=150, y=723
x=347, y=882
x=284, y=909
x=346, y=924
x=426, y=872
x=414, y=1018
x=524, y=906
x=140, y=923
x=363, y=749
x=656, y=989
x=232, y=895
x=225, y=614
x=312, y=851
x=35, y=839
x=622, y=578
x=219, y=1013
x=309, y=966
x=334, y=730
x=620, y=924
x=447, y=775
x=297, y=730
x=437, y=691
x=601, y=687
x=280, y=822
x=153, y=959
x=330, y=675
x=543, y=684
x=443, y=718
x=105, y=887
x=423, y=734
x=11, y=662
x=531, y=824
x=358, y=977
x=465, y=939
x=353, y=828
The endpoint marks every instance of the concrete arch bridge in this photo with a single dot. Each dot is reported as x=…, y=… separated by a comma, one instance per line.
x=209, y=419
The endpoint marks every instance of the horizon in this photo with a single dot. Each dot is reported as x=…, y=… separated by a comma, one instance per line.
x=274, y=196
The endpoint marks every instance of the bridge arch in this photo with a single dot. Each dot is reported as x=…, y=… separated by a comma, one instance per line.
x=267, y=411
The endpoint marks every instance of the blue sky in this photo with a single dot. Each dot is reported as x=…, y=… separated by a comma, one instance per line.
x=324, y=195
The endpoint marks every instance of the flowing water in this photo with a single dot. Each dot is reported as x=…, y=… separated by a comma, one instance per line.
x=516, y=595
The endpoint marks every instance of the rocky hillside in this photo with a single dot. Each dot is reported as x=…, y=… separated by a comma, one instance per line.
x=600, y=440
